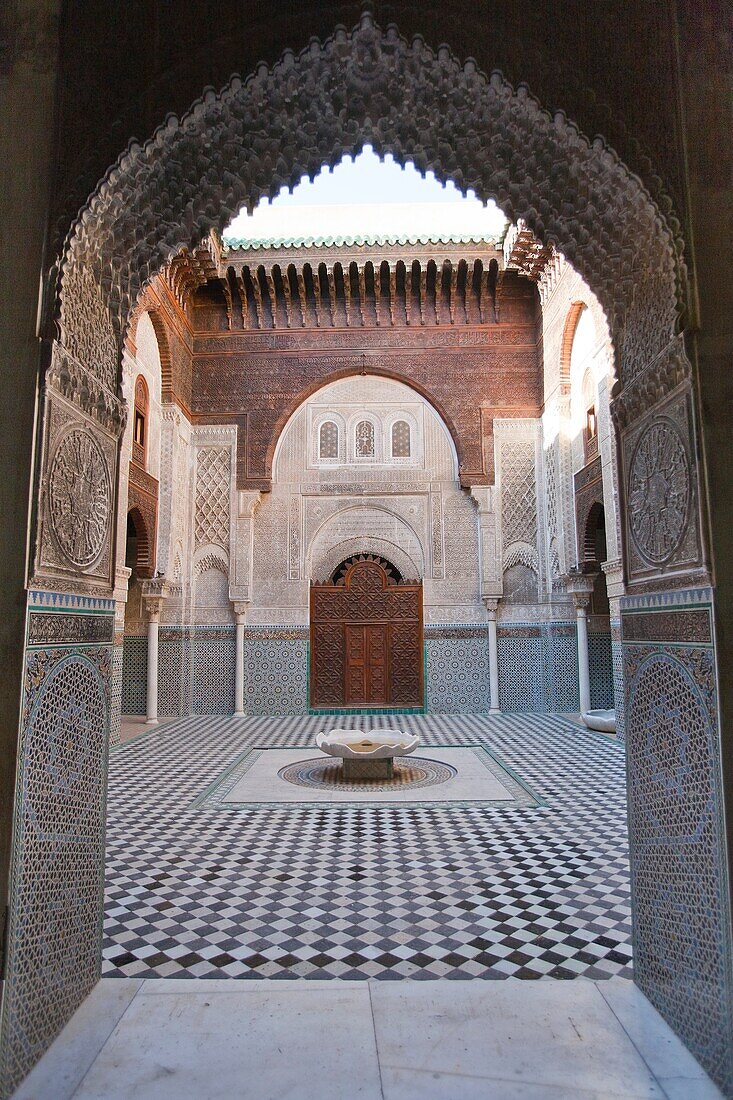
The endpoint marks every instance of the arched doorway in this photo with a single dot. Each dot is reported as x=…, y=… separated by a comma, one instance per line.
x=366, y=638
x=111, y=244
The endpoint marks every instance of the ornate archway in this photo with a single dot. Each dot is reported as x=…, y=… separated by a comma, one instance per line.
x=193, y=175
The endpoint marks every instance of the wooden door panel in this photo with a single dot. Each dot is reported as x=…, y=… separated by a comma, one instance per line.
x=376, y=665
x=327, y=664
x=406, y=665
x=366, y=640
x=356, y=665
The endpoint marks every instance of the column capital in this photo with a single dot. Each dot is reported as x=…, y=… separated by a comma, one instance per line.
x=614, y=571
x=247, y=502
x=239, y=608
x=154, y=593
x=580, y=587
x=491, y=603
x=122, y=583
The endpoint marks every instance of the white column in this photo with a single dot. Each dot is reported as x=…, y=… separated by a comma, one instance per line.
x=152, y=699
x=493, y=658
x=583, y=667
x=239, y=663
x=580, y=587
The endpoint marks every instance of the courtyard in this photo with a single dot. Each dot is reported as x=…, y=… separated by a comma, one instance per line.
x=533, y=885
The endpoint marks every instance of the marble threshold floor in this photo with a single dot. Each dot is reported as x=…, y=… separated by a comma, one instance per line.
x=208, y=1039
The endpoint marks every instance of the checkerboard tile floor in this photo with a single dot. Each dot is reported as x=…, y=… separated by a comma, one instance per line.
x=350, y=891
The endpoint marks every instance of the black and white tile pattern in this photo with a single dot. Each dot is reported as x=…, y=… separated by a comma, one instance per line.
x=355, y=891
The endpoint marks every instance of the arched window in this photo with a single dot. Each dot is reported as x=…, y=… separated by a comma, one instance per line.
x=140, y=422
x=400, y=439
x=328, y=440
x=364, y=439
x=590, y=426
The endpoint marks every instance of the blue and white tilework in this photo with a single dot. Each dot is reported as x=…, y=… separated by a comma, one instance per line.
x=276, y=671
x=678, y=853
x=134, y=674
x=457, y=670
x=600, y=662
x=53, y=930
x=212, y=670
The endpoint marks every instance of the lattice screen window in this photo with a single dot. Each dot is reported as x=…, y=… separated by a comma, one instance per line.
x=364, y=439
x=328, y=440
x=400, y=439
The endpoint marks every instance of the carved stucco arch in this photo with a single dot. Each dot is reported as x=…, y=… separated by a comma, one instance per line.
x=324, y=563
x=324, y=554
x=370, y=85
x=374, y=368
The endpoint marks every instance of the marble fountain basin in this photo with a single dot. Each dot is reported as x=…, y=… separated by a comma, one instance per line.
x=367, y=755
x=602, y=720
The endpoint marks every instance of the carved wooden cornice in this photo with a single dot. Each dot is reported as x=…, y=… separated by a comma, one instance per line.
x=524, y=253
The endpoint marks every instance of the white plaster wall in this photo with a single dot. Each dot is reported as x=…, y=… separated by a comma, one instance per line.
x=564, y=413
x=410, y=510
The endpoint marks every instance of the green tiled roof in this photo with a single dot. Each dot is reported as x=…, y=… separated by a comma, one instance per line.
x=357, y=240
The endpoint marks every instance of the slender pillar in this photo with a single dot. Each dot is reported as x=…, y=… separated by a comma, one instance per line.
x=239, y=611
x=491, y=606
x=583, y=666
x=152, y=697
x=580, y=587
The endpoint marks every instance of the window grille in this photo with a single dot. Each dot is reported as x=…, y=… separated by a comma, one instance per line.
x=365, y=439
x=400, y=439
x=328, y=440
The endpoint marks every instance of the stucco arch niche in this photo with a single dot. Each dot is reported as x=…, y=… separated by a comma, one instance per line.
x=329, y=548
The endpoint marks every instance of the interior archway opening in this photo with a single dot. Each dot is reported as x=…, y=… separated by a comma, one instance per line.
x=295, y=314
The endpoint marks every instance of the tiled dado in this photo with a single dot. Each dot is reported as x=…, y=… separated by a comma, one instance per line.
x=678, y=859
x=457, y=669
x=58, y=827
x=538, y=669
x=276, y=670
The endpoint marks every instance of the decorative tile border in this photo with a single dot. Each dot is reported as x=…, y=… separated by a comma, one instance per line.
x=65, y=600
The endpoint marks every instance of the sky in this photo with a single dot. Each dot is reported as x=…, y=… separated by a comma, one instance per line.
x=366, y=196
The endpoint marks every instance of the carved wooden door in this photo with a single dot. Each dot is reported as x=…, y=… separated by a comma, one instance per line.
x=366, y=640
x=366, y=665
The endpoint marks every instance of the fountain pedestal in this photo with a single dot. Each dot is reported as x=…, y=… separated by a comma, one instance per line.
x=367, y=755
x=370, y=768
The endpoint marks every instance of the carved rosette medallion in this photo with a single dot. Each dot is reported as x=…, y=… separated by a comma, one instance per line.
x=659, y=491
x=80, y=499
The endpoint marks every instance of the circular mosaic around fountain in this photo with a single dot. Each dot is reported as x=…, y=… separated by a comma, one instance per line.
x=327, y=775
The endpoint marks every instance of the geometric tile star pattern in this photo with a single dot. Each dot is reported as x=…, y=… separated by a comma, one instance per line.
x=368, y=891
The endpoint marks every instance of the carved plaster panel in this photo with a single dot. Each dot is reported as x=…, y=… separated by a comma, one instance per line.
x=660, y=477
x=77, y=496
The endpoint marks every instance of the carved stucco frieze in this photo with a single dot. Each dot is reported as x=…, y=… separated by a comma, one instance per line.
x=83, y=388
x=661, y=375
x=372, y=85
x=87, y=330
